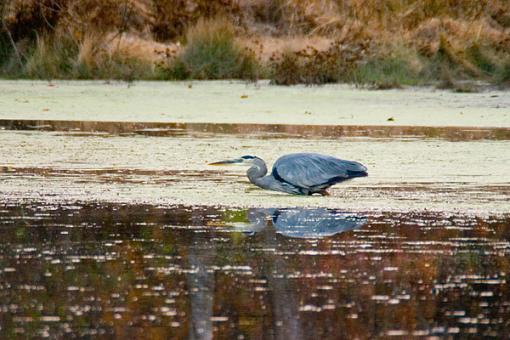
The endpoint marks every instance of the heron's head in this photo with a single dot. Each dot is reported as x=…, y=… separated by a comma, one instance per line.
x=244, y=160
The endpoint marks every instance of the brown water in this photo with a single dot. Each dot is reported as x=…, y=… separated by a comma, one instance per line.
x=123, y=230
x=197, y=272
x=257, y=130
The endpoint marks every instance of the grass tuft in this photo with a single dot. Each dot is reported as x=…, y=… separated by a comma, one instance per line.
x=59, y=56
x=503, y=74
x=482, y=58
x=212, y=52
x=386, y=72
x=53, y=57
x=112, y=59
x=5, y=48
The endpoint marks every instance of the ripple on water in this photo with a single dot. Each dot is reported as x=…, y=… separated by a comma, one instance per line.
x=143, y=268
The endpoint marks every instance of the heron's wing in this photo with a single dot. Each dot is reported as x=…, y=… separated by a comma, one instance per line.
x=307, y=170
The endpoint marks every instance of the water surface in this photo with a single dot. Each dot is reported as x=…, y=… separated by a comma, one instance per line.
x=121, y=229
x=197, y=272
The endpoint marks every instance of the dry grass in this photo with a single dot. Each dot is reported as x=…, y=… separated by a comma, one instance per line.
x=117, y=38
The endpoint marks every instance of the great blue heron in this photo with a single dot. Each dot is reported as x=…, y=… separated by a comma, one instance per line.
x=300, y=173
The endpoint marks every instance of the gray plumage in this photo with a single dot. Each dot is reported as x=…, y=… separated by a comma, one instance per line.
x=301, y=173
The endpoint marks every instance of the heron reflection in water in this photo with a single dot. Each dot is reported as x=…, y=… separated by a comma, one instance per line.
x=301, y=222
x=284, y=301
x=300, y=173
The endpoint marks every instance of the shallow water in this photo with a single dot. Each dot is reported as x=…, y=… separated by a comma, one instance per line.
x=121, y=229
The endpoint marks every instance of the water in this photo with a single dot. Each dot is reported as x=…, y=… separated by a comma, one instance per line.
x=164, y=272
x=125, y=231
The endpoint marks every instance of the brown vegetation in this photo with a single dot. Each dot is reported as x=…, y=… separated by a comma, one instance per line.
x=383, y=43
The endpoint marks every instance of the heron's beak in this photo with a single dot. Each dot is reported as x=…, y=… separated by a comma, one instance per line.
x=228, y=162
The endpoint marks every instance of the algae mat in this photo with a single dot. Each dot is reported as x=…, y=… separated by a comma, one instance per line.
x=259, y=103
x=468, y=173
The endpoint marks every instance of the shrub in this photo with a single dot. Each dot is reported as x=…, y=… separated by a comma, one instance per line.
x=313, y=67
x=26, y=19
x=308, y=66
x=286, y=69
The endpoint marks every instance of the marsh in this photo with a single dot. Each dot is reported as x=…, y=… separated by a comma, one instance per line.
x=122, y=229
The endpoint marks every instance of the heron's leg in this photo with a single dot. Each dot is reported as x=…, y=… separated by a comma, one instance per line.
x=325, y=193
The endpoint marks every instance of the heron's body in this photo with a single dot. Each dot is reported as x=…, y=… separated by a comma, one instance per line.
x=301, y=173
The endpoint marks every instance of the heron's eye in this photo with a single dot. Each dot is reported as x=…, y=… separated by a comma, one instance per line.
x=247, y=157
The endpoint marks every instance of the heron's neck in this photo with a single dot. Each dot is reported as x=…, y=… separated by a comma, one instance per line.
x=257, y=175
x=257, y=172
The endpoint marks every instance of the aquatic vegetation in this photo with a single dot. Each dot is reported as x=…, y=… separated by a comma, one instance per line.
x=102, y=162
